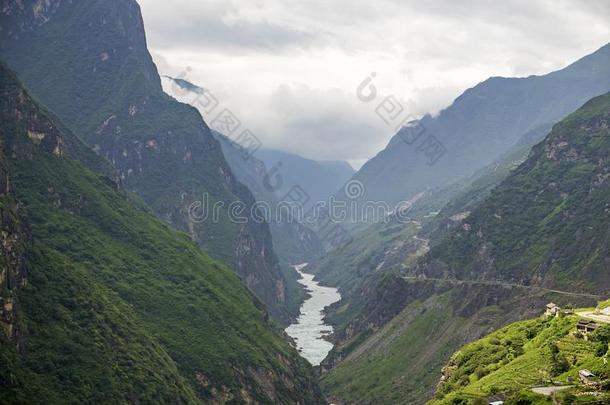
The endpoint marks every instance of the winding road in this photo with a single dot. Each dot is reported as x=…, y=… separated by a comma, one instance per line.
x=504, y=284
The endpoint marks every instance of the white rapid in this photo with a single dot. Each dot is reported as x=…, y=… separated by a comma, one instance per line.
x=310, y=329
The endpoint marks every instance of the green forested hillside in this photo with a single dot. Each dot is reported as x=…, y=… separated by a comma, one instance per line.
x=294, y=243
x=542, y=352
x=106, y=304
x=400, y=360
x=548, y=222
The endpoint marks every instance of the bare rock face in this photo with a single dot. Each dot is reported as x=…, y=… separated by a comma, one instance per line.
x=13, y=268
x=13, y=232
x=12, y=263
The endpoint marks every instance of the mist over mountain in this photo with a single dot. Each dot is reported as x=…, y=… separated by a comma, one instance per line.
x=319, y=179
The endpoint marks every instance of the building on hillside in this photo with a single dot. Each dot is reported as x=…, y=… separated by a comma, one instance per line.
x=587, y=377
x=586, y=326
x=552, y=310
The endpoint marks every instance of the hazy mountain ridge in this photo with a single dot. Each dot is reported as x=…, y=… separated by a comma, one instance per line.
x=547, y=223
x=318, y=178
x=271, y=175
x=482, y=124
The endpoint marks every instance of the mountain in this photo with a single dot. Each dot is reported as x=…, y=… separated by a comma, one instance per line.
x=380, y=311
x=481, y=125
x=104, y=303
x=342, y=170
x=540, y=235
x=275, y=178
x=105, y=87
x=292, y=241
x=400, y=361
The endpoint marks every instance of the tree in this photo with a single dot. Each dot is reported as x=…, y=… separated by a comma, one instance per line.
x=559, y=363
x=601, y=348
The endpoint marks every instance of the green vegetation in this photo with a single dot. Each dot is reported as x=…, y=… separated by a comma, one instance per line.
x=118, y=307
x=533, y=353
x=387, y=249
x=292, y=241
x=366, y=271
x=364, y=265
x=376, y=372
x=400, y=362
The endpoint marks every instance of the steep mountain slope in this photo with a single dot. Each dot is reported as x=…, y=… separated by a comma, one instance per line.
x=548, y=222
x=340, y=168
x=400, y=361
x=293, y=242
x=544, y=228
x=482, y=124
x=89, y=63
x=102, y=302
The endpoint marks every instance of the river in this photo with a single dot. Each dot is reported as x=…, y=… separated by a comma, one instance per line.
x=309, y=330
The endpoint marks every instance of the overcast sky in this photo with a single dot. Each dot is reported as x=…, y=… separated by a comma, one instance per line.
x=289, y=69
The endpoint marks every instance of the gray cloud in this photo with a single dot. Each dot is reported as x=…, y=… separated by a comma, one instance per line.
x=325, y=124
x=210, y=26
x=215, y=34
